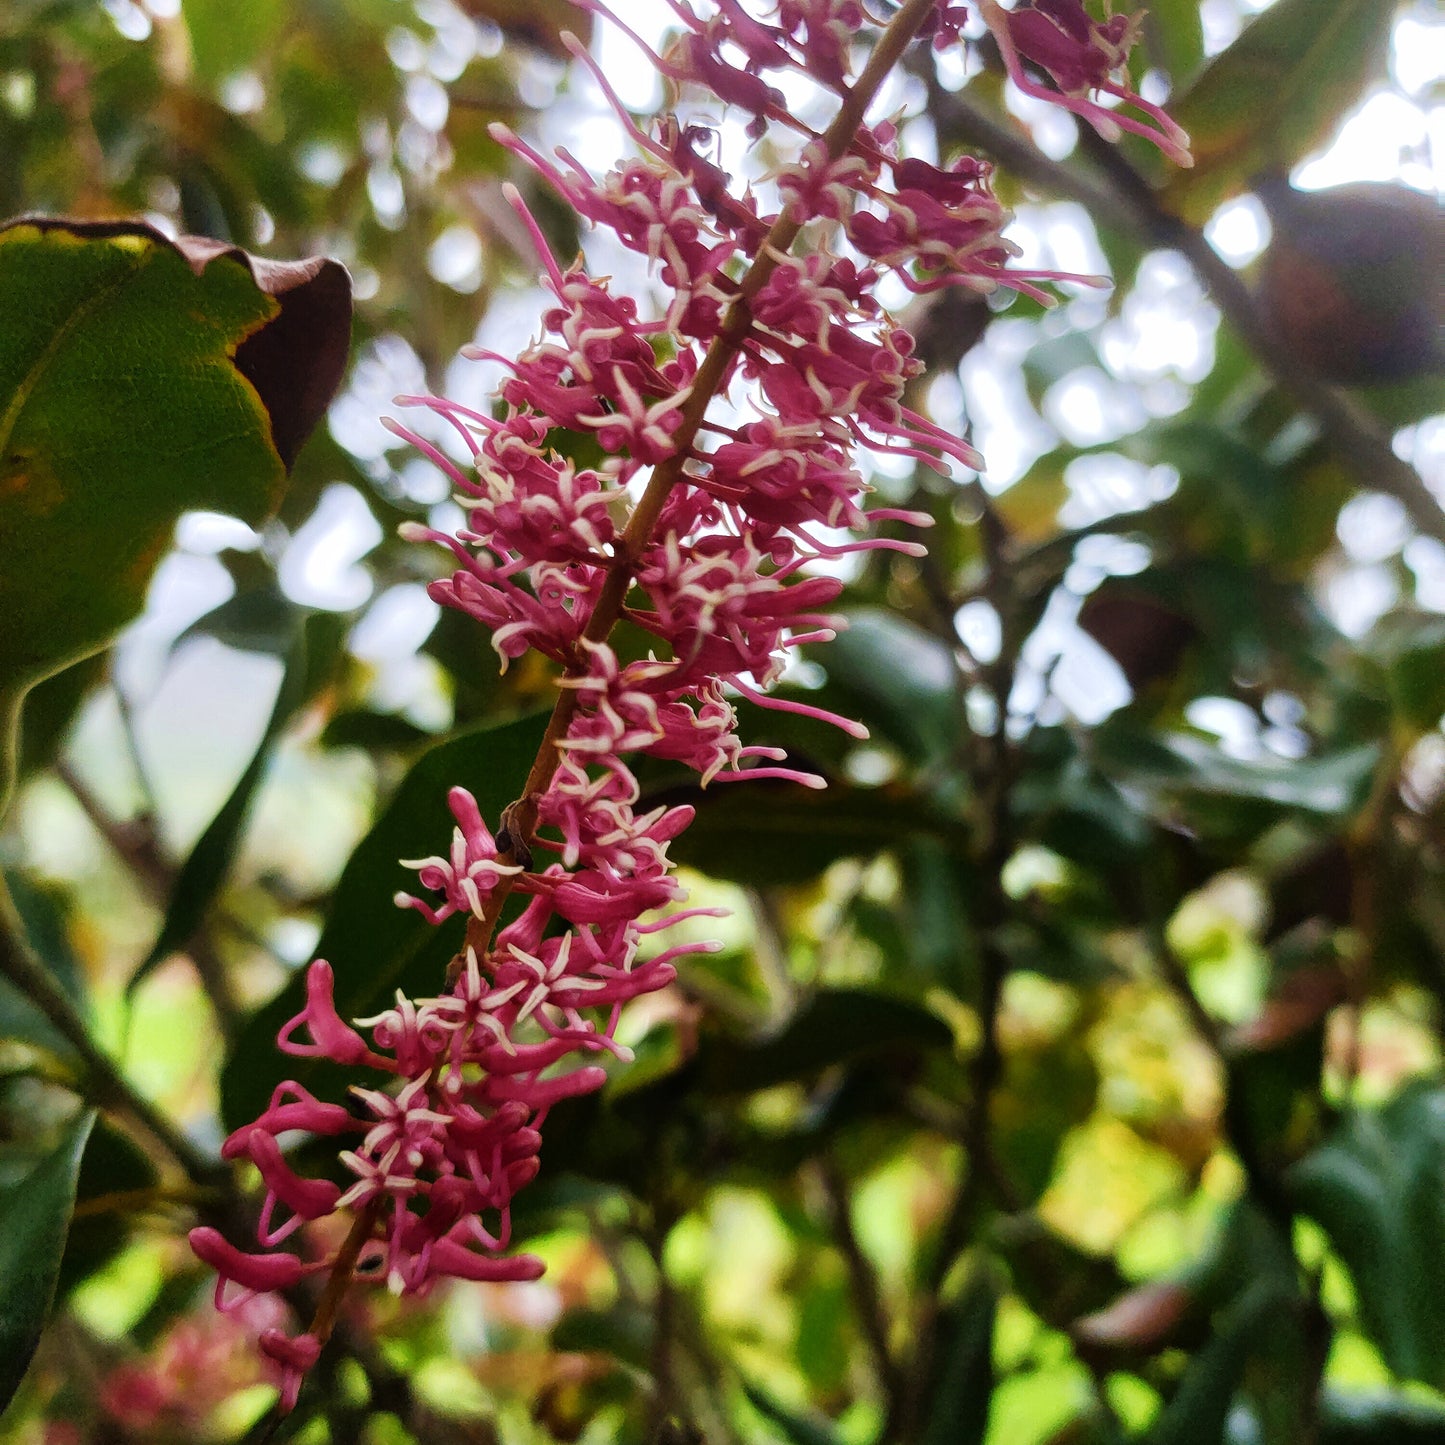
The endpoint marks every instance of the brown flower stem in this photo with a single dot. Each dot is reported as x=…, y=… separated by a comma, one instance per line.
x=522, y=816
x=339, y=1280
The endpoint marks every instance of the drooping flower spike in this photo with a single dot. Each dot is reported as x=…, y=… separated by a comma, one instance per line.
x=699, y=530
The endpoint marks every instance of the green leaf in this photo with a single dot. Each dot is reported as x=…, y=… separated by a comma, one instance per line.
x=44, y=923
x=963, y=1379
x=834, y=1026
x=114, y=1165
x=901, y=680
x=623, y=1331
x=311, y=652
x=1276, y=93
x=1174, y=37
x=1377, y=1186
x=678, y=1131
x=374, y=946
x=34, y=1221
x=139, y=377
x=768, y=832
x=1198, y=1412
x=795, y=1427
x=1412, y=649
x=1379, y=1419
x=1179, y=765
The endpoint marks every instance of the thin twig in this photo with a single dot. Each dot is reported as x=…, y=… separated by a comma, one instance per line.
x=134, y=843
x=102, y=1081
x=862, y=1277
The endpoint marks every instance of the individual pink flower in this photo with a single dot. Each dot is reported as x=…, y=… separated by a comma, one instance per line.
x=1082, y=56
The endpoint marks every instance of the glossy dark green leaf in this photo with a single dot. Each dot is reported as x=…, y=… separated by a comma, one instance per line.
x=1274, y=94
x=1378, y=1188
x=112, y=1173
x=1180, y=765
x=374, y=946
x=139, y=377
x=308, y=658
x=34, y=1221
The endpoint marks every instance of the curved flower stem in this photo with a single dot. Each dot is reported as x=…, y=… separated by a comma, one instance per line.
x=521, y=817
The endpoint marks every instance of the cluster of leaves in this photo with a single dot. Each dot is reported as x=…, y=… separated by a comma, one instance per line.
x=1060, y=1081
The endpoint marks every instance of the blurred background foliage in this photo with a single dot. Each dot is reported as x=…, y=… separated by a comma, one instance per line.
x=1072, y=1069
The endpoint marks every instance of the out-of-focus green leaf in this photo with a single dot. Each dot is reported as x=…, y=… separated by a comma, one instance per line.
x=1199, y=1409
x=796, y=1427
x=939, y=900
x=1379, y=1419
x=51, y=707
x=777, y=832
x=34, y=1221
x=1046, y=1092
x=374, y=946
x=1075, y=808
x=901, y=679
x=624, y=1331
x=1378, y=1188
x=1273, y=95
x=226, y=39
x=375, y=732
x=1174, y=38
x=113, y=1165
x=1412, y=649
x=44, y=924
x=139, y=377
x=683, y=1129
x=1178, y=765
x=833, y=1027
x=962, y=1381
x=309, y=657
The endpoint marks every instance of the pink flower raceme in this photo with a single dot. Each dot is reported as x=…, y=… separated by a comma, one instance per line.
x=699, y=530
